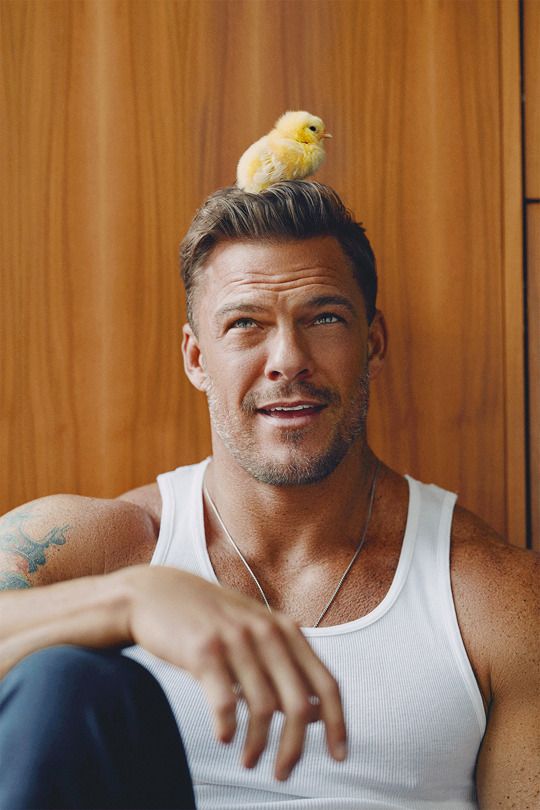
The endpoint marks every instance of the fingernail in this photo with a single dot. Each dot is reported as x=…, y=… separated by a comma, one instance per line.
x=340, y=750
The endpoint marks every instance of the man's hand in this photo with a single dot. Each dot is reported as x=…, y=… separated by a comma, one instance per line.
x=230, y=643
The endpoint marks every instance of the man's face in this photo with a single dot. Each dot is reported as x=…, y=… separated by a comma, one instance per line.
x=281, y=353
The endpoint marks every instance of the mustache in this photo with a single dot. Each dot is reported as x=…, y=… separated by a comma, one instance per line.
x=298, y=390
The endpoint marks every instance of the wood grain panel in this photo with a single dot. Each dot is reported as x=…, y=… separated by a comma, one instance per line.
x=533, y=302
x=440, y=409
x=91, y=328
x=133, y=112
x=38, y=430
x=512, y=274
x=531, y=63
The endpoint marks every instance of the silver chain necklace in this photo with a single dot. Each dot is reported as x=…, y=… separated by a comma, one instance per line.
x=344, y=574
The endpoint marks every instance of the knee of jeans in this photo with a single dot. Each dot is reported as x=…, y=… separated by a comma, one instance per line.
x=53, y=660
x=60, y=672
x=68, y=682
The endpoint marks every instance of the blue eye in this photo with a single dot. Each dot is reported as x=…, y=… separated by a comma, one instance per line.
x=242, y=323
x=328, y=317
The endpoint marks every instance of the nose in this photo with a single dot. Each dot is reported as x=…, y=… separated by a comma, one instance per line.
x=288, y=356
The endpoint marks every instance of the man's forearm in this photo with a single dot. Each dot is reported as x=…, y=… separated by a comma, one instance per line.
x=91, y=611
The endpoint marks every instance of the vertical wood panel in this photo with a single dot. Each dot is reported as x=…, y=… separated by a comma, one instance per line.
x=440, y=410
x=512, y=273
x=151, y=417
x=531, y=63
x=533, y=262
x=92, y=397
x=143, y=109
x=38, y=431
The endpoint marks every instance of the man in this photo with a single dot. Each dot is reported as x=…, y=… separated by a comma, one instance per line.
x=415, y=680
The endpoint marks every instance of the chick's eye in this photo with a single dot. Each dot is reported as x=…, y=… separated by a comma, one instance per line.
x=328, y=317
x=313, y=129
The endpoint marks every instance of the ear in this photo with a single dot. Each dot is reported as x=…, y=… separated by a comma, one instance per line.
x=193, y=359
x=377, y=344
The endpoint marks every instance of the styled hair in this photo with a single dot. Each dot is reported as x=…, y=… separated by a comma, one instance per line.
x=293, y=209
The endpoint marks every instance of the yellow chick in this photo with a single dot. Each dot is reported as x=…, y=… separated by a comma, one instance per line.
x=291, y=151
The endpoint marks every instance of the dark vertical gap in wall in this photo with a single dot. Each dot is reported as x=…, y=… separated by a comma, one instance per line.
x=528, y=504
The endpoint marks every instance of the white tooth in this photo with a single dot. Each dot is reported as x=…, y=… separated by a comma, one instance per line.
x=293, y=408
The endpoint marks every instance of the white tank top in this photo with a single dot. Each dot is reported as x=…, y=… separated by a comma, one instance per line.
x=414, y=712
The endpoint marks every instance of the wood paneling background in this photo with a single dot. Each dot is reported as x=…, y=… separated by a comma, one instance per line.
x=119, y=117
x=533, y=262
x=531, y=63
x=531, y=85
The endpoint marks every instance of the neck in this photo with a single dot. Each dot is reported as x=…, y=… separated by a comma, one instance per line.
x=313, y=520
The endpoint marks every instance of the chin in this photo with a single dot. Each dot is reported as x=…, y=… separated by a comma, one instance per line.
x=295, y=467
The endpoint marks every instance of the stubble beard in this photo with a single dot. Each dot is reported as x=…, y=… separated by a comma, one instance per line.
x=301, y=466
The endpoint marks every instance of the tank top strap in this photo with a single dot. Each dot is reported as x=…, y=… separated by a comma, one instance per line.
x=429, y=582
x=434, y=509
x=182, y=518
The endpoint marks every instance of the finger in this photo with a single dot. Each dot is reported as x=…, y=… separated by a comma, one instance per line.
x=315, y=703
x=294, y=697
x=258, y=693
x=219, y=686
x=321, y=684
x=315, y=710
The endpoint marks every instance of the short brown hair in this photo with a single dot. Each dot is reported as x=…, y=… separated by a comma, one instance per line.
x=293, y=209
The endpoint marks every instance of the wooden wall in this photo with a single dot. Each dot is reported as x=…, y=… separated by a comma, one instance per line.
x=531, y=83
x=119, y=117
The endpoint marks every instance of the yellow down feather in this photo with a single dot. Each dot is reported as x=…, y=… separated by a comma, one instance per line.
x=291, y=151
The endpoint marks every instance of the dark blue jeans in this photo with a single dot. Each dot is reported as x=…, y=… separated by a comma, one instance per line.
x=83, y=728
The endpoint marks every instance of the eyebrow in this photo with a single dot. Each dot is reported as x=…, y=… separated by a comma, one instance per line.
x=313, y=303
x=239, y=306
x=332, y=301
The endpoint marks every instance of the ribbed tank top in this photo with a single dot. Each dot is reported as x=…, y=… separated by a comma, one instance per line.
x=413, y=709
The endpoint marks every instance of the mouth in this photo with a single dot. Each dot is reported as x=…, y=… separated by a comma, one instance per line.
x=294, y=413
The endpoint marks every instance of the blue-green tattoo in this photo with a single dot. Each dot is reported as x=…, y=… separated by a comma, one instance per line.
x=10, y=582
x=14, y=540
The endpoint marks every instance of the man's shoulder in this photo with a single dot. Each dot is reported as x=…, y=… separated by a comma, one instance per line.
x=66, y=536
x=484, y=553
x=497, y=591
x=148, y=498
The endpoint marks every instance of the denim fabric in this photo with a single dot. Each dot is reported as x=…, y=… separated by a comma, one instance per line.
x=84, y=728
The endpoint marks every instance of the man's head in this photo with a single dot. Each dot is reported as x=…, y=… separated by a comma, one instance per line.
x=289, y=210
x=283, y=337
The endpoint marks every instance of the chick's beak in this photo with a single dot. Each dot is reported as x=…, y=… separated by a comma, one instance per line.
x=327, y=135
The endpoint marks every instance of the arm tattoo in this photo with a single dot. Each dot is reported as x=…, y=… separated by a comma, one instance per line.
x=10, y=582
x=14, y=540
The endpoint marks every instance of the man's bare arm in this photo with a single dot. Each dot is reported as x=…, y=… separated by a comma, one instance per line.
x=221, y=637
x=67, y=543
x=91, y=611
x=508, y=768
x=66, y=536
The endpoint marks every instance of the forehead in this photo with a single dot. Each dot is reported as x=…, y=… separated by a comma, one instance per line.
x=276, y=270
